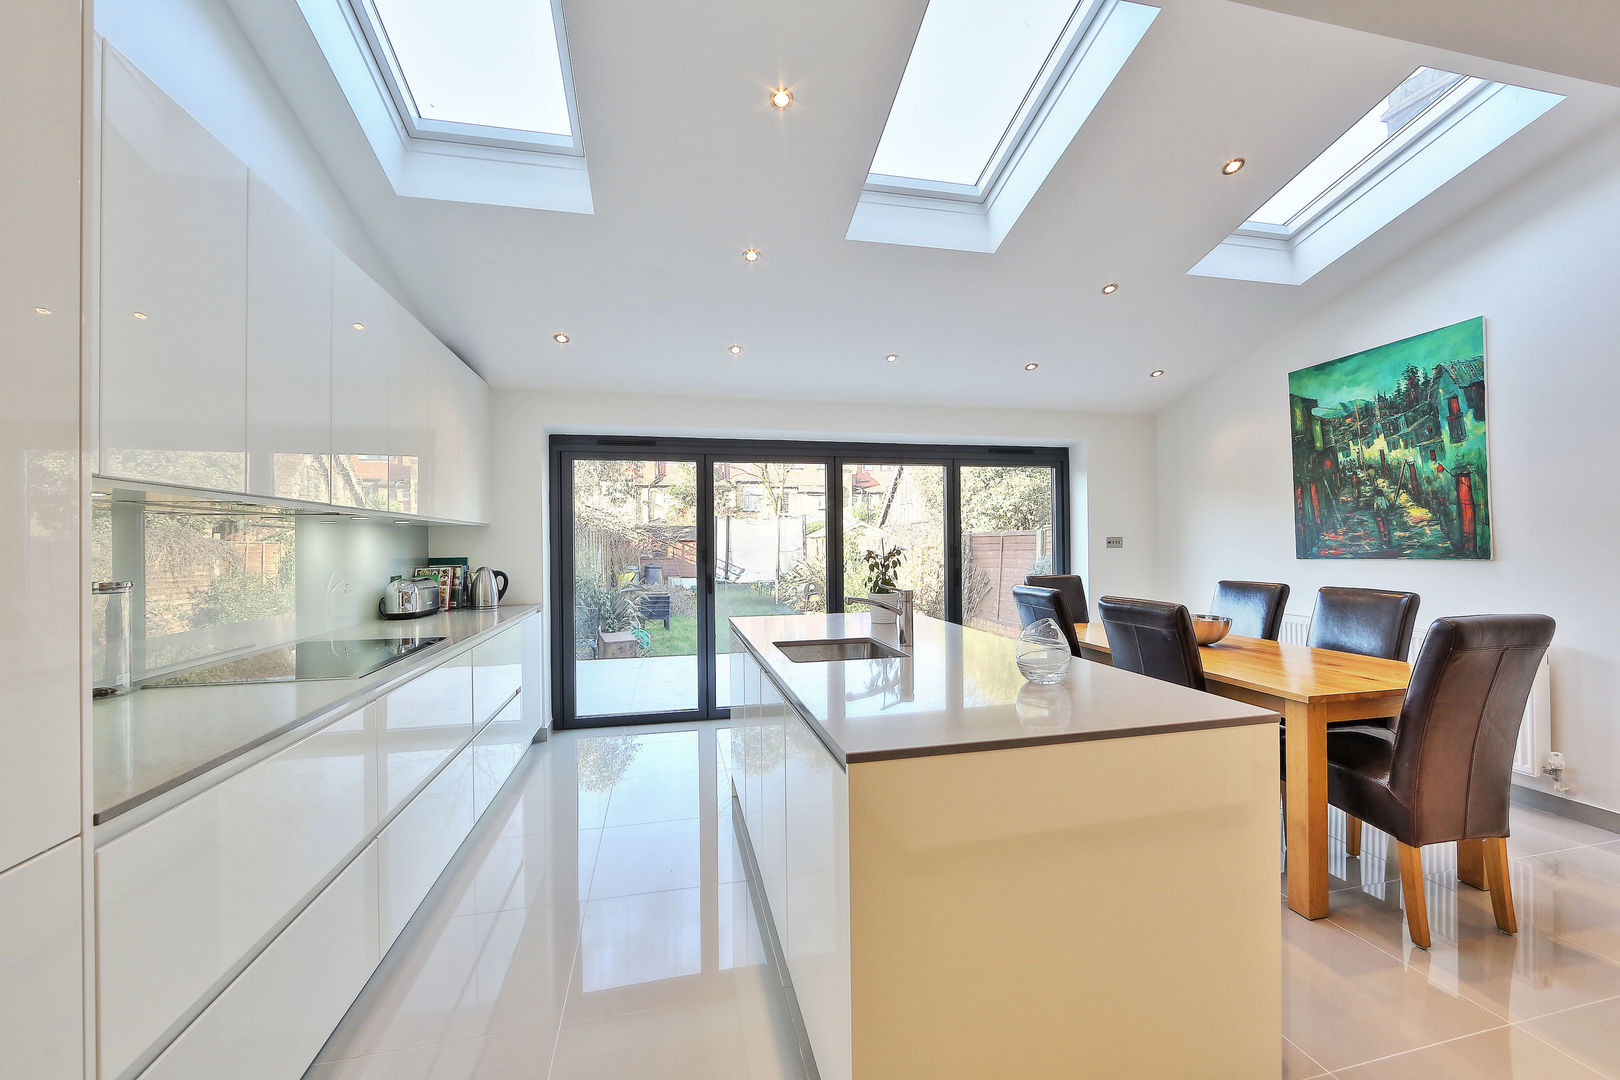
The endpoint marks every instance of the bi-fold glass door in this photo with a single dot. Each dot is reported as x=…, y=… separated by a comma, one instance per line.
x=660, y=543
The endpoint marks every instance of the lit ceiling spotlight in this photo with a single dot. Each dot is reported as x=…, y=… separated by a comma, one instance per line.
x=1111, y=288
x=1031, y=367
x=141, y=315
x=781, y=97
x=1156, y=373
x=100, y=494
x=402, y=523
x=892, y=357
x=736, y=350
x=560, y=338
x=42, y=311
x=358, y=325
x=751, y=255
x=1232, y=166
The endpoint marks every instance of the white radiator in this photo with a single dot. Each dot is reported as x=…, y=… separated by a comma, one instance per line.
x=1535, y=733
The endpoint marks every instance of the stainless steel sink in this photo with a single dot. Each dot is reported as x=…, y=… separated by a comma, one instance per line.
x=814, y=652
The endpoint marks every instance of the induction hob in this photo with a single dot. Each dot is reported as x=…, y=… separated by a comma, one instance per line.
x=299, y=662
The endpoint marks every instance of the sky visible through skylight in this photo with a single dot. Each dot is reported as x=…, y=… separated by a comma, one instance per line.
x=1389, y=118
x=489, y=63
x=972, y=67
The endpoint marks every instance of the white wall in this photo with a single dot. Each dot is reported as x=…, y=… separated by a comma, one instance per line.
x=1111, y=467
x=196, y=52
x=1539, y=263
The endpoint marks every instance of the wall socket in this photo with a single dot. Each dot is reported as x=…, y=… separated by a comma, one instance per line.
x=1116, y=541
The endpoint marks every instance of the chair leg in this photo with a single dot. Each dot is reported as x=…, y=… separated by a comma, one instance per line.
x=1471, y=863
x=1352, y=835
x=1496, y=875
x=1417, y=907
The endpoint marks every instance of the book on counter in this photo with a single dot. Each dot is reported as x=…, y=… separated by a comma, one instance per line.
x=452, y=578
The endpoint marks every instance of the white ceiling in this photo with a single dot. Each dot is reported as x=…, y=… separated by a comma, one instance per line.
x=689, y=165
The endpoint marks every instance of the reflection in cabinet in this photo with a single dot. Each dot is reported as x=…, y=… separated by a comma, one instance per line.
x=42, y=968
x=424, y=722
x=173, y=289
x=289, y=351
x=361, y=311
x=497, y=672
x=496, y=751
x=416, y=845
x=274, y=1018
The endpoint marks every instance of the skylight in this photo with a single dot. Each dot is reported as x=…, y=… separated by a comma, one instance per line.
x=1425, y=98
x=475, y=70
x=976, y=71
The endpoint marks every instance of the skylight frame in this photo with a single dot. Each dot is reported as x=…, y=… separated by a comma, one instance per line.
x=1036, y=100
x=1468, y=91
x=413, y=125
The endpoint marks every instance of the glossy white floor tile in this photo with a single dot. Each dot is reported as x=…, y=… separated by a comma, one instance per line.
x=598, y=924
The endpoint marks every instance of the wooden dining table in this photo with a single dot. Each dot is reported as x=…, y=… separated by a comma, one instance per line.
x=1310, y=689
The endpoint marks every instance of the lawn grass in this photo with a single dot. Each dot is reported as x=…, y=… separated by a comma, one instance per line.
x=681, y=639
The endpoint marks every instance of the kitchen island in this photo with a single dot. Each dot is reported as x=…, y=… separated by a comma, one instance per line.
x=969, y=875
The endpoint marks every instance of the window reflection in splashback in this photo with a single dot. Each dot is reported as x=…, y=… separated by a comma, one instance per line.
x=212, y=577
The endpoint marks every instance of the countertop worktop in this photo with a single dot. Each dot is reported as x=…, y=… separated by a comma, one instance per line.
x=961, y=691
x=153, y=740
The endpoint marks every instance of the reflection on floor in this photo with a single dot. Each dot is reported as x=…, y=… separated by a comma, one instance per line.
x=597, y=925
x=628, y=686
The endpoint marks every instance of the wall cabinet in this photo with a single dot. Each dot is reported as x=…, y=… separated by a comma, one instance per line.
x=289, y=351
x=242, y=352
x=173, y=292
x=42, y=968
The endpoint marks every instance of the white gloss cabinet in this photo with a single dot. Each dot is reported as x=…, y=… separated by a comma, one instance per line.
x=42, y=968
x=423, y=723
x=361, y=316
x=173, y=292
x=185, y=897
x=417, y=844
x=39, y=433
x=412, y=387
x=274, y=1018
x=289, y=351
x=497, y=672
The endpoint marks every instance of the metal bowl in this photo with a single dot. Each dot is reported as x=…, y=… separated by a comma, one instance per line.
x=1209, y=629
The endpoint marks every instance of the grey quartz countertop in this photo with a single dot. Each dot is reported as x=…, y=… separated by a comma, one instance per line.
x=960, y=691
x=154, y=740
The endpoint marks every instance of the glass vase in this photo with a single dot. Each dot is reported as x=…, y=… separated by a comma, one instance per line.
x=1043, y=652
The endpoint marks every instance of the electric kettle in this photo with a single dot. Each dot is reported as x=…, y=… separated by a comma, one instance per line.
x=485, y=592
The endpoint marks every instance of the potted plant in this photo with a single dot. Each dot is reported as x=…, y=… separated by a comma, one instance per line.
x=881, y=569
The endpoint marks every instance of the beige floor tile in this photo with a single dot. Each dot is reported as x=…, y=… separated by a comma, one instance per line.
x=691, y=1042
x=1345, y=1001
x=1590, y=1033
x=1549, y=893
x=1504, y=1053
x=1535, y=832
x=1298, y=1065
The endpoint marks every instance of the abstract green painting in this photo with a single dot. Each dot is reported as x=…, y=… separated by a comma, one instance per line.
x=1389, y=451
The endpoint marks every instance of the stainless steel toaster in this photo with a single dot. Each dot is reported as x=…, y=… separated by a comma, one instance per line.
x=409, y=598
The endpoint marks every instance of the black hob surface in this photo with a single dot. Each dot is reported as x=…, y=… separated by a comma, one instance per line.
x=305, y=660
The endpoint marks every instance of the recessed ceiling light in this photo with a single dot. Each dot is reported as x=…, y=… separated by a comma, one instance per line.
x=736, y=350
x=42, y=311
x=402, y=523
x=752, y=255
x=1156, y=373
x=139, y=315
x=892, y=357
x=99, y=494
x=1111, y=288
x=1031, y=367
x=358, y=325
x=560, y=338
x=781, y=97
x=1232, y=166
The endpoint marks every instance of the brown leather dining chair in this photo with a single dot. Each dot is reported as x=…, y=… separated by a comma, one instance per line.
x=1445, y=774
x=1072, y=588
x=1152, y=638
x=1035, y=604
x=1255, y=607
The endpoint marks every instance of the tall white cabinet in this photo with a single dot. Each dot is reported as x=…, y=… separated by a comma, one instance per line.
x=242, y=352
x=41, y=900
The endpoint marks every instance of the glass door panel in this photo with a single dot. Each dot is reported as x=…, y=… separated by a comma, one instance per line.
x=635, y=587
x=1007, y=533
x=893, y=505
x=770, y=548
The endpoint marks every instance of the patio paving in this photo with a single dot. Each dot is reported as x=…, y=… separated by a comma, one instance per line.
x=632, y=686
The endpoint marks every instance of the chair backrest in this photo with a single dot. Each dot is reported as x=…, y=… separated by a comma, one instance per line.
x=1153, y=639
x=1255, y=607
x=1072, y=588
x=1371, y=622
x=1454, y=745
x=1035, y=604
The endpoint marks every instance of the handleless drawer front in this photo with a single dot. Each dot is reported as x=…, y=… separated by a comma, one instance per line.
x=416, y=844
x=42, y=968
x=273, y=1019
x=182, y=899
x=496, y=752
x=425, y=721
x=497, y=672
